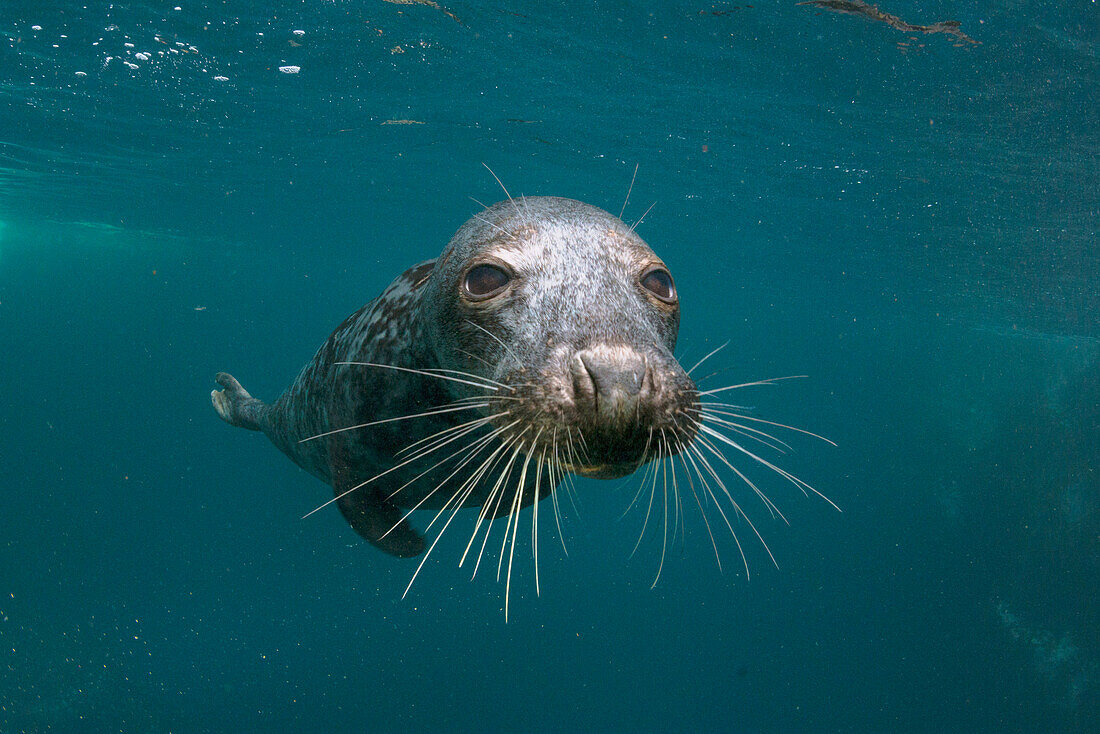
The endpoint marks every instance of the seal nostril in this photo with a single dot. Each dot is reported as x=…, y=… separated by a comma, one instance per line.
x=584, y=381
x=608, y=371
x=591, y=370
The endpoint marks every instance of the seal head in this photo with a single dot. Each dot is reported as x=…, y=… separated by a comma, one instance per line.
x=570, y=310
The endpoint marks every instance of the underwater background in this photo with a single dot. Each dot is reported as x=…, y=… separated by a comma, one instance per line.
x=907, y=215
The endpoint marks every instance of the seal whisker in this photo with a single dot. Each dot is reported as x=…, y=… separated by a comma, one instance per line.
x=649, y=507
x=454, y=503
x=718, y=505
x=483, y=220
x=517, y=496
x=426, y=373
x=719, y=371
x=498, y=491
x=487, y=503
x=513, y=512
x=567, y=456
x=709, y=355
x=471, y=355
x=425, y=445
x=698, y=405
x=486, y=466
x=555, y=466
x=436, y=411
x=772, y=508
x=379, y=476
x=477, y=442
x=491, y=401
x=570, y=489
x=664, y=495
x=679, y=517
x=513, y=520
x=737, y=507
x=438, y=370
x=751, y=433
x=459, y=499
x=645, y=477
x=507, y=349
x=513, y=201
x=768, y=381
x=781, y=472
x=464, y=490
x=709, y=408
x=583, y=445
x=474, y=448
x=535, y=517
x=631, y=188
x=685, y=456
x=672, y=498
x=639, y=220
x=675, y=446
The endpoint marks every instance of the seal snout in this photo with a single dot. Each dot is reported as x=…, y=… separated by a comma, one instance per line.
x=610, y=381
x=621, y=403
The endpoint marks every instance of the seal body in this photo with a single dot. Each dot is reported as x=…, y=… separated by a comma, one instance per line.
x=539, y=343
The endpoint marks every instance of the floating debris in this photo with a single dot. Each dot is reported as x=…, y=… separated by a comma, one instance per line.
x=430, y=4
x=858, y=7
x=715, y=10
x=290, y=69
x=403, y=122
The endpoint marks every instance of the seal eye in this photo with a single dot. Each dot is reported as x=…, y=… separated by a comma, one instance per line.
x=485, y=280
x=659, y=283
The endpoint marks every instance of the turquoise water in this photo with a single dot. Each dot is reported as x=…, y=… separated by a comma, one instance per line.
x=909, y=219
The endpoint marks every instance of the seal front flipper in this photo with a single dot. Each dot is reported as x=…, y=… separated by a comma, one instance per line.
x=235, y=406
x=374, y=517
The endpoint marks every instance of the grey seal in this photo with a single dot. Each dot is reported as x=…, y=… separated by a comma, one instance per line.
x=539, y=344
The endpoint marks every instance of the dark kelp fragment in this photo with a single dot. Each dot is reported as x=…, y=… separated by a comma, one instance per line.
x=858, y=7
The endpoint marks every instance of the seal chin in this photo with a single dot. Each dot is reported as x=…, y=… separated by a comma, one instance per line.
x=605, y=471
x=609, y=455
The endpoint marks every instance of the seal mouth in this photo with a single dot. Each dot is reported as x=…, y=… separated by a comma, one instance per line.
x=606, y=471
x=610, y=454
